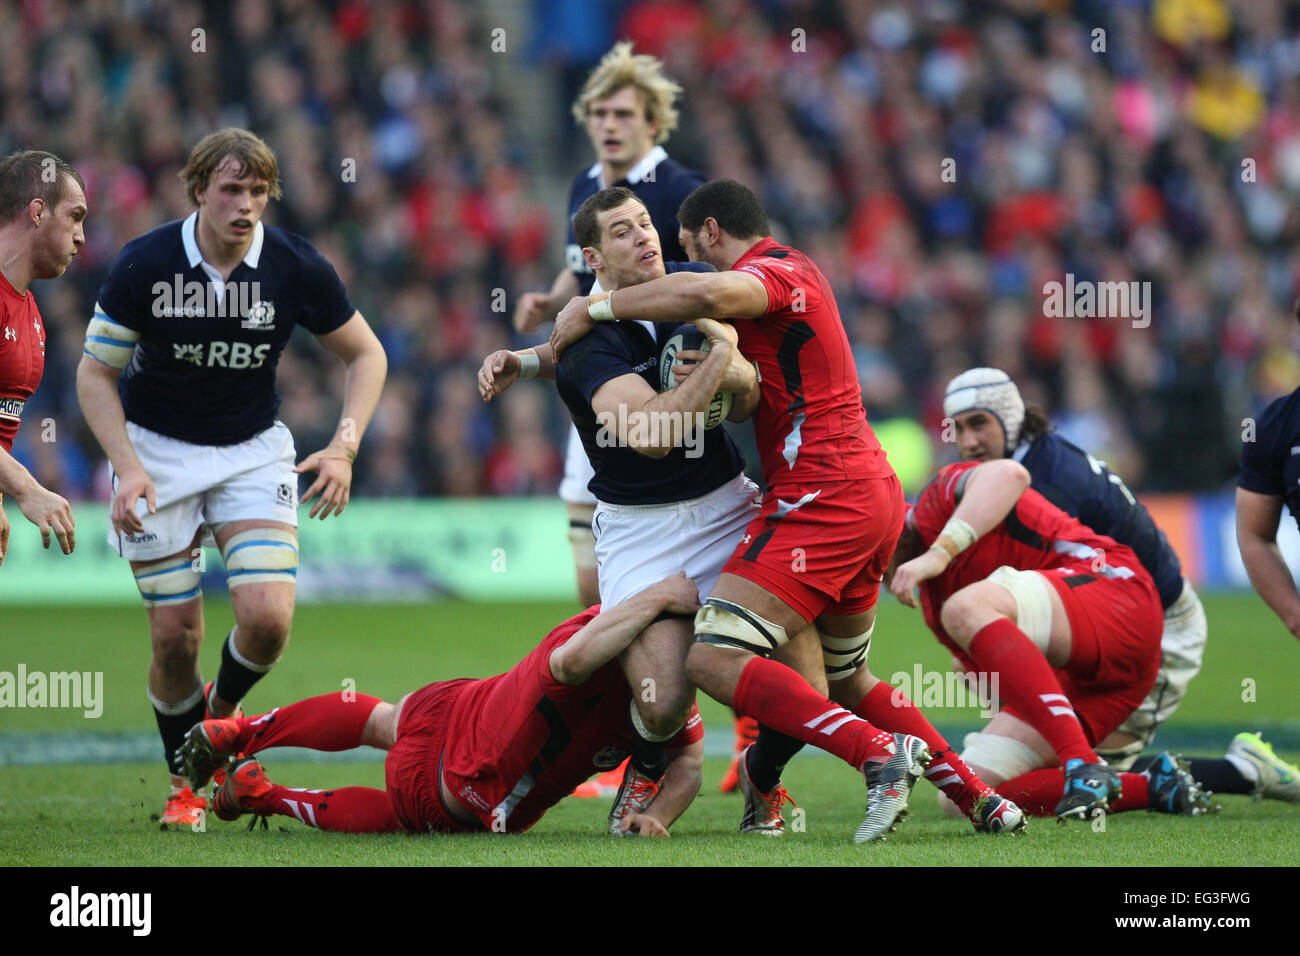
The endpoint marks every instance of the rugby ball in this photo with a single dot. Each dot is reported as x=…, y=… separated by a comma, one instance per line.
x=689, y=338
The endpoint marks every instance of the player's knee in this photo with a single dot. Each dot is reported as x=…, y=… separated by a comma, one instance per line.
x=664, y=716
x=262, y=639
x=175, y=646
x=958, y=613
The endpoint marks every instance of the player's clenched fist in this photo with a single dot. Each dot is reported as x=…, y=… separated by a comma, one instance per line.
x=531, y=311
x=497, y=373
x=679, y=593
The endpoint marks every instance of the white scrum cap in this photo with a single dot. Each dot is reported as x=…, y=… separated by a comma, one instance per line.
x=990, y=390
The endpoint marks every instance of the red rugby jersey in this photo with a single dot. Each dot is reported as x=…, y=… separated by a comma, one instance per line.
x=1034, y=536
x=518, y=743
x=810, y=422
x=22, y=357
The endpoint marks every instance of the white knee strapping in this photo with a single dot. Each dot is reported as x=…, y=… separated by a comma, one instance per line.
x=1003, y=758
x=639, y=725
x=1033, y=602
x=261, y=555
x=844, y=655
x=583, y=542
x=730, y=625
x=173, y=581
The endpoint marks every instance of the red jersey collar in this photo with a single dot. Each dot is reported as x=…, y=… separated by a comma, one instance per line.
x=757, y=249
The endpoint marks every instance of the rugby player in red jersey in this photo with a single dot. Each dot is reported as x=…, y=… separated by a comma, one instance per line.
x=42, y=209
x=1068, y=620
x=469, y=755
x=816, y=553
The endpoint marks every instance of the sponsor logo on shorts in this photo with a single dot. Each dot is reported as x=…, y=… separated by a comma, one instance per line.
x=467, y=792
x=143, y=537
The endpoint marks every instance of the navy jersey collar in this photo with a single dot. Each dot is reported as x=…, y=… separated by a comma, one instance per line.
x=191, y=244
x=638, y=172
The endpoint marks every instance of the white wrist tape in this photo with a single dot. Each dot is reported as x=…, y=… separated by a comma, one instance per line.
x=962, y=534
x=601, y=307
x=529, y=363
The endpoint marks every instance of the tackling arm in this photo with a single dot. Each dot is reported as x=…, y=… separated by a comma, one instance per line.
x=1257, y=521
x=610, y=632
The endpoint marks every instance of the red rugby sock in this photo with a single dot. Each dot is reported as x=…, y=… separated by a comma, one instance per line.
x=1026, y=682
x=346, y=810
x=778, y=697
x=328, y=722
x=890, y=709
x=1039, y=791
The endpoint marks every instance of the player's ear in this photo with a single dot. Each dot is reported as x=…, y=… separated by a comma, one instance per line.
x=593, y=257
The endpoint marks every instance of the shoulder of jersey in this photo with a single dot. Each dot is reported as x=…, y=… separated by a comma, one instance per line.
x=688, y=267
x=163, y=239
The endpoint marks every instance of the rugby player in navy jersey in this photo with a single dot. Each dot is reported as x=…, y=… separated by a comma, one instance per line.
x=672, y=495
x=40, y=231
x=991, y=421
x=178, y=384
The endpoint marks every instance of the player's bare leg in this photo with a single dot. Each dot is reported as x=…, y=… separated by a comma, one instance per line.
x=655, y=666
x=261, y=557
x=583, y=543
x=779, y=698
x=982, y=619
x=174, y=606
x=888, y=708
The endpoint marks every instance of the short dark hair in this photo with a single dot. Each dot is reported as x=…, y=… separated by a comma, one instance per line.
x=24, y=176
x=585, y=227
x=735, y=208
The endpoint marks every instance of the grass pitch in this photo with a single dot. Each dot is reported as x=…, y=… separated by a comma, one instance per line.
x=96, y=813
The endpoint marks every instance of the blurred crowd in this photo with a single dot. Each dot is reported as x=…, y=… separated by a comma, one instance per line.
x=940, y=160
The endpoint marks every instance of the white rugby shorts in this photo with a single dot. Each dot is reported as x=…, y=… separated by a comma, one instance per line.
x=200, y=486
x=639, y=545
x=577, y=472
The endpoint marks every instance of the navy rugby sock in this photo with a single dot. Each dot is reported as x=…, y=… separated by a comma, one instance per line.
x=175, y=721
x=768, y=757
x=236, y=677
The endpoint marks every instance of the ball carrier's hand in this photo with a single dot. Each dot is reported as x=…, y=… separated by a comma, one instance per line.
x=497, y=373
x=333, y=467
x=132, y=485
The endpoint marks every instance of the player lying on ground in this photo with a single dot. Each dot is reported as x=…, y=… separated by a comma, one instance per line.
x=469, y=755
x=991, y=422
x=672, y=496
x=1067, y=622
x=830, y=518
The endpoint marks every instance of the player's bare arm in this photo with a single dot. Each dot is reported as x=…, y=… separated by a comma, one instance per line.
x=991, y=491
x=631, y=394
x=367, y=368
x=678, y=297
x=613, y=630
x=1257, y=522
x=102, y=408
x=679, y=786
x=50, y=512
x=504, y=367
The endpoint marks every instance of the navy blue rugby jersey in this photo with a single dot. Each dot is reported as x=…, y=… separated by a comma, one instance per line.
x=663, y=194
x=624, y=476
x=1086, y=489
x=1270, y=464
x=203, y=370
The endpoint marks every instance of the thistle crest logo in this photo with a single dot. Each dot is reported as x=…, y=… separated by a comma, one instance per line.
x=261, y=316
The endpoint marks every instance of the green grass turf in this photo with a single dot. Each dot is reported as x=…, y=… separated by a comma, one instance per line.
x=82, y=814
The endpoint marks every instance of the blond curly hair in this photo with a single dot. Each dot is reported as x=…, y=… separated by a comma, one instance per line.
x=621, y=67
